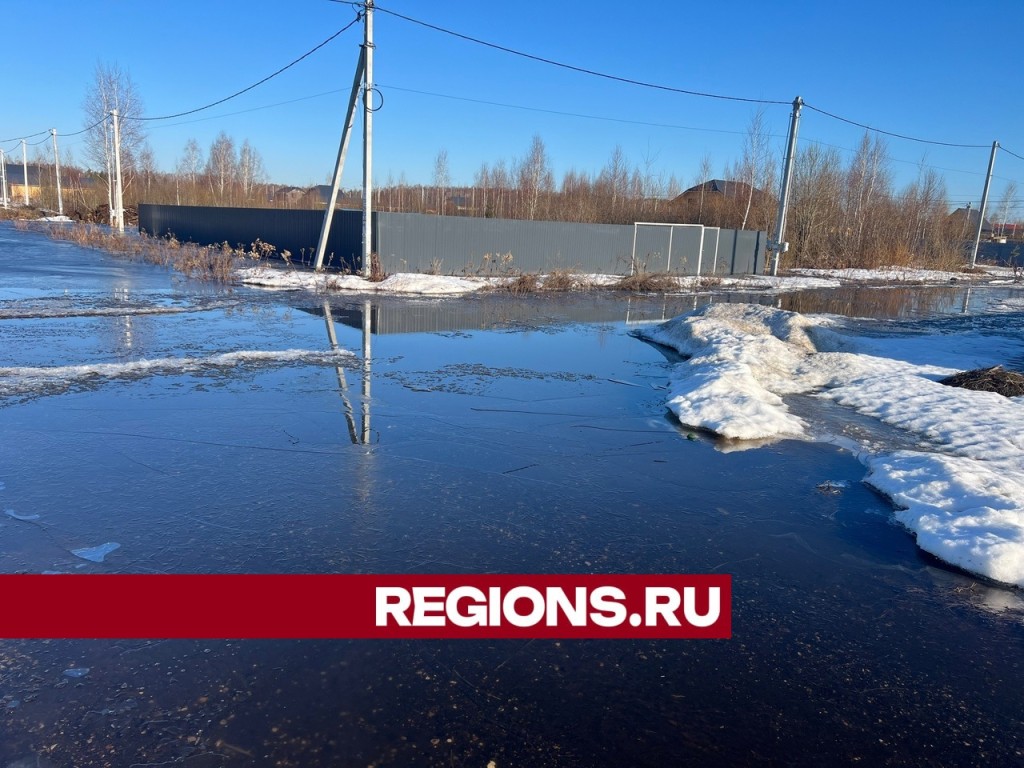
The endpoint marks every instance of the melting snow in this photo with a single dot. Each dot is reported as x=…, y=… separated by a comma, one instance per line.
x=961, y=493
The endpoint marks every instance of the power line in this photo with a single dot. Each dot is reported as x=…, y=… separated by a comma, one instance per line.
x=574, y=68
x=256, y=84
x=895, y=135
x=84, y=130
x=19, y=138
x=560, y=112
x=1010, y=153
x=207, y=106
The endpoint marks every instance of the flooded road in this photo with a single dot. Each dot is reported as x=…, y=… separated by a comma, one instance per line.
x=477, y=435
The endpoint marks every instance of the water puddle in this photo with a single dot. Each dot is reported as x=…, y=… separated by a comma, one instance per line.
x=474, y=435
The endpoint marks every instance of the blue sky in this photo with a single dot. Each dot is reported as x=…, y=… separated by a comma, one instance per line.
x=938, y=70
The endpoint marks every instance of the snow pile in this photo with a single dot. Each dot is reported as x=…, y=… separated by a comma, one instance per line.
x=449, y=285
x=405, y=282
x=431, y=285
x=887, y=275
x=741, y=358
x=961, y=492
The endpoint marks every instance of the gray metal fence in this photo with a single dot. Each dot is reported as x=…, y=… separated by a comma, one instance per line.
x=414, y=242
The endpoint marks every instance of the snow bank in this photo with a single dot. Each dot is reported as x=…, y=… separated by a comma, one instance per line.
x=303, y=280
x=741, y=357
x=449, y=285
x=889, y=275
x=961, y=491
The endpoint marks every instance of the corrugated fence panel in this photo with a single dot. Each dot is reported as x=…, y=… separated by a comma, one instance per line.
x=419, y=242
x=296, y=231
x=413, y=242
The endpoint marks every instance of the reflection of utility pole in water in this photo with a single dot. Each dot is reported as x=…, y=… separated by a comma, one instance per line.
x=350, y=417
x=967, y=300
x=367, y=308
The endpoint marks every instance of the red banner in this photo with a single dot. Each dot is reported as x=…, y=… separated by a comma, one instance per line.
x=366, y=606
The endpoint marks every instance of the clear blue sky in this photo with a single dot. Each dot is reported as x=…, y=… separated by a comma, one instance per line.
x=948, y=71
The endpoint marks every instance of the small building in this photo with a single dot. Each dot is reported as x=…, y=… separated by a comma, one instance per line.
x=967, y=219
x=16, y=182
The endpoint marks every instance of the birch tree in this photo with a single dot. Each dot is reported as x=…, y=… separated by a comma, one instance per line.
x=113, y=88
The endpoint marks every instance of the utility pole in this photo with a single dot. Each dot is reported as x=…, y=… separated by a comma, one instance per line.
x=778, y=245
x=368, y=139
x=3, y=176
x=339, y=166
x=118, y=191
x=984, y=203
x=108, y=150
x=24, y=166
x=56, y=170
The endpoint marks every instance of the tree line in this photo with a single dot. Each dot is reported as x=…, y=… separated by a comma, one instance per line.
x=842, y=214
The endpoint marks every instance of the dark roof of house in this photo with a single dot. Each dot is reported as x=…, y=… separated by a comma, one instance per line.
x=972, y=218
x=724, y=187
x=16, y=173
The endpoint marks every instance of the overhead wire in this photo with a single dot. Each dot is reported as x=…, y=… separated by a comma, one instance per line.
x=661, y=87
x=894, y=135
x=573, y=67
x=286, y=67
x=1007, y=151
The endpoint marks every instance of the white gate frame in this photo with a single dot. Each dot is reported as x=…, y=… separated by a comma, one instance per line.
x=668, y=257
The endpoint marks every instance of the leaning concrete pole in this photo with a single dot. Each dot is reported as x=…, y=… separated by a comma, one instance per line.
x=984, y=204
x=368, y=140
x=778, y=245
x=339, y=166
x=56, y=171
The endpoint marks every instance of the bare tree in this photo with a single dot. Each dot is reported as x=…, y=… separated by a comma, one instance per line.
x=442, y=178
x=1006, y=205
x=113, y=88
x=250, y=169
x=222, y=165
x=534, y=177
x=147, y=167
x=190, y=166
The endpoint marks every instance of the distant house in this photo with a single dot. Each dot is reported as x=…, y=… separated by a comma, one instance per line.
x=967, y=219
x=16, y=182
x=722, y=189
x=725, y=203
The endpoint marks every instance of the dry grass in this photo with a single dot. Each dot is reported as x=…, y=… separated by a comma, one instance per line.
x=202, y=262
x=995, y=379
x=563, y=280
x=649, y=282
x=528, y=283
x=19, y=213
x=377, y=273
